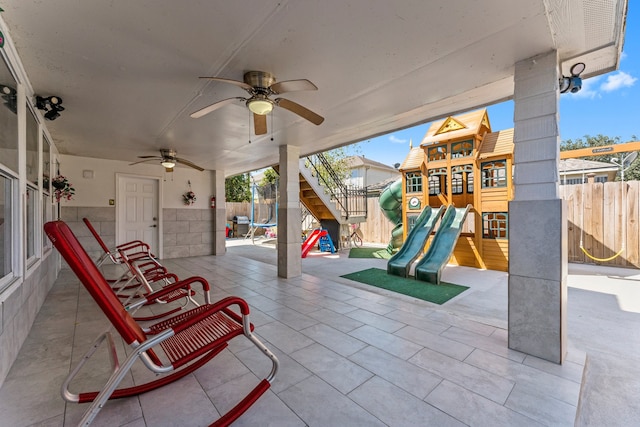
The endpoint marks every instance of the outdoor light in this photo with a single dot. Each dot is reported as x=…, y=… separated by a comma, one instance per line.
x=260, y=106
x=52, y=106
x=9, y=96
x=572, y=84
x=167, y=163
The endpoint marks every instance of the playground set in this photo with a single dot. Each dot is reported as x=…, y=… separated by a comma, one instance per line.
x=440, y=191
x=453, y=198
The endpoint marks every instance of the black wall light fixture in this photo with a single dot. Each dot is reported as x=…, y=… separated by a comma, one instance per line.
x=52, y=105
x=572, y=84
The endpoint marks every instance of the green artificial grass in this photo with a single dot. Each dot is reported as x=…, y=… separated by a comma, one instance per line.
x=437, y=294
x=369, y=253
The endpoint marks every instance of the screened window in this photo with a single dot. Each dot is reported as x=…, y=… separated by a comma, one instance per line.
x=8, y=119
x=460, y=175
x=414, y=182
x=46, y=217
x=437, y=181
x=461, y=149
x=6, y=229
x=32, y=220
x=437, y=153
x=494, y=174
x=494, y=225
x=32, y=147
x=46, y=165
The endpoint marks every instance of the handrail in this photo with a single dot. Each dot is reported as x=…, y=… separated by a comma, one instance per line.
x=351, y=200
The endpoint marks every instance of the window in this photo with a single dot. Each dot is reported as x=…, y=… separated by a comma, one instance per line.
x=6, y=229
x=32, y=201
x=414, y=182
x=46, y=217
x=8, y=119
x=494, y=174
x=437, y=153
x=460, y=174
x=461, y=149
x=601, y=179
x=46, y=165
x=437, y=181
x=32, y=147
x=494, y=225
x=411, y=222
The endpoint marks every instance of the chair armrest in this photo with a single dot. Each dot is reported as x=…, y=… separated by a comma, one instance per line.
x=182, y=284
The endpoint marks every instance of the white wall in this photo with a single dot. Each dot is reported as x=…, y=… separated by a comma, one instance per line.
x=97, y=191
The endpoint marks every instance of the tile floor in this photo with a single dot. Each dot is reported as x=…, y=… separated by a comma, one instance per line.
x=350, y=355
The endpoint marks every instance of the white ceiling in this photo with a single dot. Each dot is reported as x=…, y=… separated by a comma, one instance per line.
x=127, y=71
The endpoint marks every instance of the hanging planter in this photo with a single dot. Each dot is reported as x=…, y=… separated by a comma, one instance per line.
x=189, y=197
x=62, y=188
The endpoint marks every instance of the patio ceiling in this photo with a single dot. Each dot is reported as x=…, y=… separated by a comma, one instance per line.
x=127, y=71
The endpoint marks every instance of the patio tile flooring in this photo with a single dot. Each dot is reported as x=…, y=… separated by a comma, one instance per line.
x=351, y=355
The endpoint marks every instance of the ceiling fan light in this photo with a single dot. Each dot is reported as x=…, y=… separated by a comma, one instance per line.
x=260, y=106
x=169, y=164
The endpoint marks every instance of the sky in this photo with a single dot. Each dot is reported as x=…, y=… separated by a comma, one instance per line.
x=608, y=105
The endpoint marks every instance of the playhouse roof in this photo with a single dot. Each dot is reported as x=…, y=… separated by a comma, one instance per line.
x=414, y=160
x=463, y=125
x=496, y=144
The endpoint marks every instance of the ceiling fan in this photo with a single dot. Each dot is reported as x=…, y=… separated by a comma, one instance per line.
x=260, y=85
x=168, y=159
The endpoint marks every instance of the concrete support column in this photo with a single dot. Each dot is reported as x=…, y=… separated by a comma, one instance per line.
x=289, y=214
x=219, y=213
x=537, y=216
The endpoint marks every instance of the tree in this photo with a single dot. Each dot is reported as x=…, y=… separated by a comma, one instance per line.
x=237, y=188
x=633, y=173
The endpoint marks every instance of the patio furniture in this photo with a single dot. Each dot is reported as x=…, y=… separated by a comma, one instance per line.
x=172, y=348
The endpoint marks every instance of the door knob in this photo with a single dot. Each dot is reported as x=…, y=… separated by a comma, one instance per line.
x=153, y=225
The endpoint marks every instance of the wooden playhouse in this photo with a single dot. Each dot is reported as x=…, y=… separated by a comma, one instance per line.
x=462, y=162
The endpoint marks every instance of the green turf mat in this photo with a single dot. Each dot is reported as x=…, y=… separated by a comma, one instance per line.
x=437, y=294
x=369, y=253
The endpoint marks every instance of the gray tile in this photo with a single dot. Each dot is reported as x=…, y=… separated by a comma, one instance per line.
x=396, y=407
x=486, y=384
x=334, y=340
x=376, y=320
x=385, y=341
x=473, y=409
x=283, y=337
x=494, y=343
x=336, y=370
x=409, y=377
x=544, y=409
x=435, y=342
x=329, y=407
x=335, y=320
x=536, y=381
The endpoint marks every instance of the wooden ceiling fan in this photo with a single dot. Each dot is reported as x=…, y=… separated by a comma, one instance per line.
x=260, y=86
x=168, y=158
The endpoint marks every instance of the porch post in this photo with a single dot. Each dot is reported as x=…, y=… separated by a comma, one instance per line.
x=289, y=214
x=219, y=213
x=537, y=216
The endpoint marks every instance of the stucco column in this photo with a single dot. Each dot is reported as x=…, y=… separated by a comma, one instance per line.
x=289, y=214
x=537, y=216
x=219, y=213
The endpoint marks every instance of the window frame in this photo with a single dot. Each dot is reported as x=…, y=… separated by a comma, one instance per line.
x=413, y=182
x=499, y=231
x=459, y=150
x=435, y=177
x=498, y=174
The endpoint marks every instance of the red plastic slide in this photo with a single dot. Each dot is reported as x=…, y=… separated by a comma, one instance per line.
x=312, y=240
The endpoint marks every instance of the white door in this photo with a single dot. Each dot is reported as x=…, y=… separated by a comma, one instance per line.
x=138, y=211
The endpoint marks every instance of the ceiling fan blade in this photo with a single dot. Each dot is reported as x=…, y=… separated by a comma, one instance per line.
x=292, y=86
x=238, y=83
x=148, y=157
x=298, y=109
x=260, y=124
x=143, y=161
x=188, y=163
x=214, y=106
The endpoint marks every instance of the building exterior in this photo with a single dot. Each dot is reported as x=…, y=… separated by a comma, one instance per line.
x=364, y=172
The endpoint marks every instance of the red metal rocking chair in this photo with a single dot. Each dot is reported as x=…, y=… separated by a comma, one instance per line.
x=174, y=347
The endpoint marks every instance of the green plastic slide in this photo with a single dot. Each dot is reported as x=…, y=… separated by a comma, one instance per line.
x=400, y=263
x=429, y=268
x=391, y=206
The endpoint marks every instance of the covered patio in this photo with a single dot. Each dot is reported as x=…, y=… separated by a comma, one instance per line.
x=127, y=73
